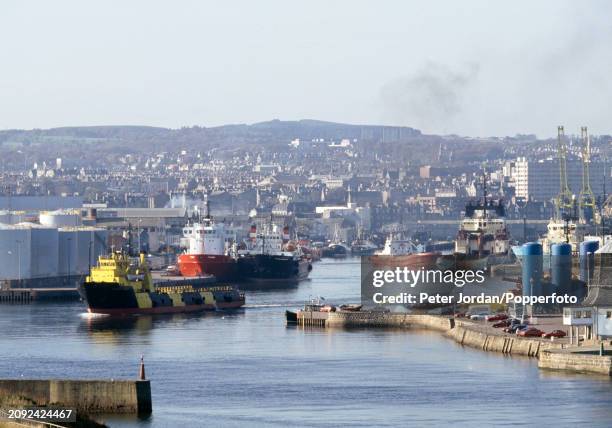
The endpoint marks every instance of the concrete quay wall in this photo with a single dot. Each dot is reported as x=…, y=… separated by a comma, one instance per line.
x=87, y=396
x=389, y=320
x=576, y=361
x=470, y=336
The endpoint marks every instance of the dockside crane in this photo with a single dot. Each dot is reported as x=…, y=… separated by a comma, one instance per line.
x=564, y=202
x=587, y=197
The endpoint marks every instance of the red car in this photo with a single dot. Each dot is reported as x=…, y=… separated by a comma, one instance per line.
x=530, y=332
x=504, y=323
x=554, y=333
x=460, y=315
x=497, y=317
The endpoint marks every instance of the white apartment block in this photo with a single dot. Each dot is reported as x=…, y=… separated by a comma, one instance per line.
x=539, y=180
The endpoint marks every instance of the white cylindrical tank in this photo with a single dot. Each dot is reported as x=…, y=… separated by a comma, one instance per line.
x=14, y=252
x=43, y=250
x=60, y=218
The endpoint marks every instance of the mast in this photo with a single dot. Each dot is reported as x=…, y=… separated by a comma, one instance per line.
x=484, y=190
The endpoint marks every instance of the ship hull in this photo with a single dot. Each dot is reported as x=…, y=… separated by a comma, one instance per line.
x=459, y=261
x=221, y=266
x=411, y=261
x=115, y=299
x=264, y=267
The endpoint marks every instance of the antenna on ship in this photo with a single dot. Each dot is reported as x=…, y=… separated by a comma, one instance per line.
x=208, y=216
x=484, y=190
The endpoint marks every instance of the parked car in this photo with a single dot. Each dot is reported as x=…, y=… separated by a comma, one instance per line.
x=554, y=333
x=504, y=323
x=478, y=317
x=460, y=315
x=496, y=317
x=530, y=332
x=515, y=327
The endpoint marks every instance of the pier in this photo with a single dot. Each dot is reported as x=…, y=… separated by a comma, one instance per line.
x=29, y=295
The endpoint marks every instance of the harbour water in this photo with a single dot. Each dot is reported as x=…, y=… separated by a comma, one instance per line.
x=248, y=369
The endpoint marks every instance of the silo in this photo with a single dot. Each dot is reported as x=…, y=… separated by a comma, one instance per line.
x=43, y=250
x=5, y=217
x=60, y=218
x=67, y=260
x=100, y=243
x=532, y=269
x=587, y=259
x=84, y=249
x=14, y=252
x=561, y=267
x=12, y=217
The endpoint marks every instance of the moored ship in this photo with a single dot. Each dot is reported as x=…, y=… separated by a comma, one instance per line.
x=116, y=286
x=404, y=253
x=271, y=256
x=209, y=251
x=482, y=239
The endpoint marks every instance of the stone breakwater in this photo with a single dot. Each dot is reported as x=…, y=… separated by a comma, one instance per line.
x=551, y=355
x=86, y=396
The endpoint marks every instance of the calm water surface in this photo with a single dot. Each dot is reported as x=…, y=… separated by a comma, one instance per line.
x=248, y=369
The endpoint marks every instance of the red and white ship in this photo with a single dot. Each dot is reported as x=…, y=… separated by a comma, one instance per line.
x=209, y=251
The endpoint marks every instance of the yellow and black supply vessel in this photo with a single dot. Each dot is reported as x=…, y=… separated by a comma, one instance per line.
x=116, y=286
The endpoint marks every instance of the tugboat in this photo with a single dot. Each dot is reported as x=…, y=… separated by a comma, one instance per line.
x=335, y=250
x=483, y=239
x=116, y=286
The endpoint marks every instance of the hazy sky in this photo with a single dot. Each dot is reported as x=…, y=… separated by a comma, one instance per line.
x=468, y=67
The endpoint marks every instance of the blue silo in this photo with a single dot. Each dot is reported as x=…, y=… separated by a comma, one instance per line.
x=561, y=267
x=532, y=269
x=587, y=259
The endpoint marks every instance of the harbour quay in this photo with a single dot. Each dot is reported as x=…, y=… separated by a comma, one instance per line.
x=554, y=355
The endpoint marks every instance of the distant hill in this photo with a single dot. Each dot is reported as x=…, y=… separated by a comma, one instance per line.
x=274, y=131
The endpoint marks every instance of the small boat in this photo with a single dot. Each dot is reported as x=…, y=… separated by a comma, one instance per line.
x=351, y=307
x=291, y=317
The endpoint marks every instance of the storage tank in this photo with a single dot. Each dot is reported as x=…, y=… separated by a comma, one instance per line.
x=67, y=254
x=60, y=218
x=587, y=259
x=79, y=248
x=43, y=250
x=100, y=243
x=14, y=252
x=561, y=267
x=84, y=250
x=12, y=217
x=532, y=269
